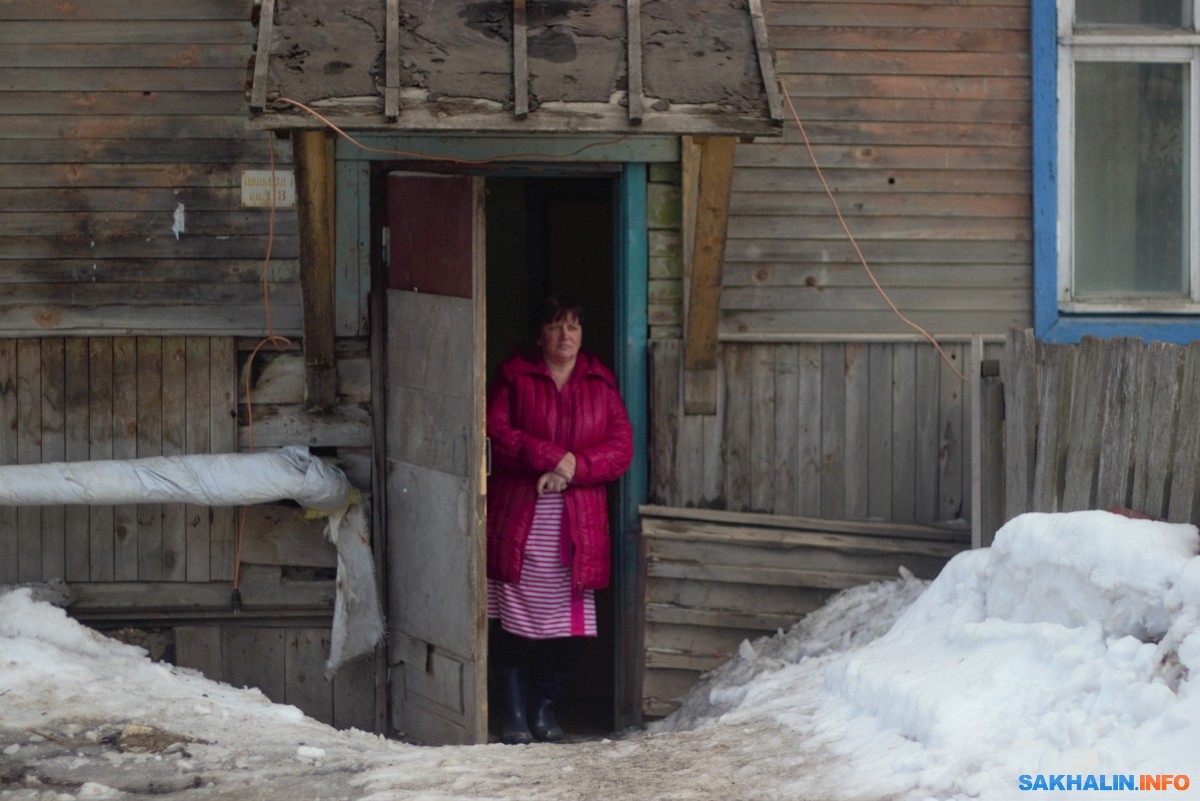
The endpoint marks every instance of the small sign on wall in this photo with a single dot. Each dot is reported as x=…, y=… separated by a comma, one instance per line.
x=256, y=189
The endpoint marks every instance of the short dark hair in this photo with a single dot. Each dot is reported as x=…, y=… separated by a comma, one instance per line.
x=554, y=308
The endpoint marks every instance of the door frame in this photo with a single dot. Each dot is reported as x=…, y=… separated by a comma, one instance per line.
x=563, y=156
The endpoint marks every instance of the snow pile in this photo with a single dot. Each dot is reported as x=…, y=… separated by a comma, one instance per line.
x=1069, y=647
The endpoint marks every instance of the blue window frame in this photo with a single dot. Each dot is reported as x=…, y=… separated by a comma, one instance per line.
x=1073, y=43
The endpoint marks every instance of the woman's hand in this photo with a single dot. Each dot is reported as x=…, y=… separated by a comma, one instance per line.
x=551, y=482
x=566, y=468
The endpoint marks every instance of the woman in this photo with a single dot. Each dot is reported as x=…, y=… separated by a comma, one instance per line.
x=559, y=433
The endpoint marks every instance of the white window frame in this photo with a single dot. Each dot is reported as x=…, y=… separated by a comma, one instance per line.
x=1174, y=47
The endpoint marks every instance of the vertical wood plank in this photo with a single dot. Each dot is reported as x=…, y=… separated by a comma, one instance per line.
x=737, y=456
x=520, y=62
x=904, y=431
x=254, y=657
x=8, y=455
x=101, y=523
x=149, y=443
x=761, y=454
x=77, y=449
x=880, y=427
x=991, y=501
x=664, y=428
x=258, y=87
x=198, y=439
x=305, y=686
x=1114, y=474
x=174, y=443
x=833, y=430
x=223, y=408
x=857, y=378
x=391, y=86
x=690, y=458
x=352, y=264
x=809, y=394
x=1157, y=422
x=1079, y=492
x=713, y=479
x=54, y=449
x=1055, y=364
x=29, y=451
x=766, y=65
x=786, y=461
x=928, y=436
x=633, y=37
x=1184, y=473
x=354, y=695
x=124, y=446
x=199, y=648
x=1020, y=422
x=951, y=500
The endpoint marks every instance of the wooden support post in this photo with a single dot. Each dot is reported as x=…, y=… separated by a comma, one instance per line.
x=520, y=62
x=634, y=44
x=704, y=287
x=262, y=56
x=391, y=88
x=313, y=163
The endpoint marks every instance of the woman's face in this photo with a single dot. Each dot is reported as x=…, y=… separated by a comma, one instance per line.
x=561, y=339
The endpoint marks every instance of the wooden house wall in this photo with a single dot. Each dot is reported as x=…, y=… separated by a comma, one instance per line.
x=717, y=578
x=134, y=291
x=122, y=140
x=170, y=568
x=919, y=115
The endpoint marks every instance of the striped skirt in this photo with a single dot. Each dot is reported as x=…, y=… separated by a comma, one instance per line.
x=544, y=605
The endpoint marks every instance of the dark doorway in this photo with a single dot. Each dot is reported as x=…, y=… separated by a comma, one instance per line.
x=556, y=235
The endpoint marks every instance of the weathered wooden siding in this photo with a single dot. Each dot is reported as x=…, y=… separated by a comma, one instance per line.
x=171, y=566
x=286, y=662
x=87, y=399
x=714, y=579
x=1102, y=424
x=835, y=430
x=918, y=113
x=119, y=121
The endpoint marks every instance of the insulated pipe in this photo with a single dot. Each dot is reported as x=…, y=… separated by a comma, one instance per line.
x=228, y=479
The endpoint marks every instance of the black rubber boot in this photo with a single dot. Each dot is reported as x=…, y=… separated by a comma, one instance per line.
x=547, y=691
x=514, y=728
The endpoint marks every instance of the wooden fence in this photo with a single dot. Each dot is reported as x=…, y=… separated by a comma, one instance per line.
x=1102, y=424
x=846, y=430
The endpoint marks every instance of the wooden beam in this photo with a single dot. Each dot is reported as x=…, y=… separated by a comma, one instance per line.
x=262, y=56
x=313, y=163
x=635, y=96
x=713, y=189
x=520, y=62
x=766, y=64
x=391, y=89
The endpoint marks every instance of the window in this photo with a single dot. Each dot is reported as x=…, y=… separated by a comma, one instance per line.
x=1116, y=183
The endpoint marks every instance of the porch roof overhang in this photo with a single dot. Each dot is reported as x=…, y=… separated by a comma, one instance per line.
x=701, y=68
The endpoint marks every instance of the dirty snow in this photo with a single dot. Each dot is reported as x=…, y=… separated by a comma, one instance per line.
x=1065, y=650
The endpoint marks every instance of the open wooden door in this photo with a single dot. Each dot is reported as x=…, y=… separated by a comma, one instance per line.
x=435, y=458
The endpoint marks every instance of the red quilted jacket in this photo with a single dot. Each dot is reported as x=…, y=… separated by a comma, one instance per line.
x=532, y=426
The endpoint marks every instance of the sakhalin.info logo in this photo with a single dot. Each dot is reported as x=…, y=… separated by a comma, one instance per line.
x=1103, y=781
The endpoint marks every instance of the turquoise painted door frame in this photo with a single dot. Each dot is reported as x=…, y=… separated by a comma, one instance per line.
x=544, y=157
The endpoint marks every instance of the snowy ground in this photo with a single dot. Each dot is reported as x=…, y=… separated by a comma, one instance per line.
x=1062, y=654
